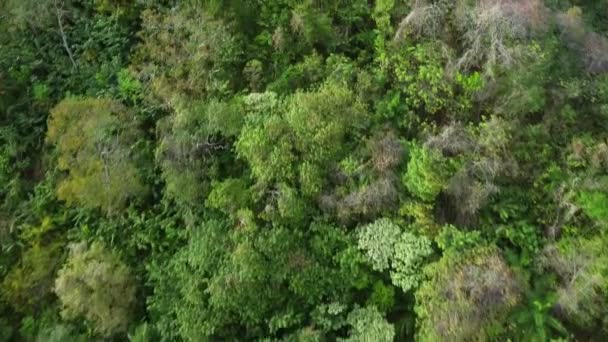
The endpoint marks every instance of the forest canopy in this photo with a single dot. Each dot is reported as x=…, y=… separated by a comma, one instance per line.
x=303, y=170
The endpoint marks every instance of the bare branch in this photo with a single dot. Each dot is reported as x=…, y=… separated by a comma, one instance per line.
x=59, y=13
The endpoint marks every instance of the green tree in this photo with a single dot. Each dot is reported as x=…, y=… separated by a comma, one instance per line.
x=28, y=285
x=193, y=144
x=189, y=54
x=323, y=120
x=411, y=253
x=94, y=140
x=265, y=140
x=378, y=240
x=367, y=324
x=304, y=141
x=387, y=247
x=95, y=284
x=428, y=172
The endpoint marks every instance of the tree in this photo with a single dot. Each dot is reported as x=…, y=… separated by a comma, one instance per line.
x=313, y=25
x=229, y=196
x=322, y=120
x=378, y=240
x=264, y=141
x=40, y=15
x=28, y=286
x=594, y=204
x=193, y=144
x=302, y=141
x=466, y=296
x=59, y=333
x=582, y=269
x=143, y=333
x=488, y=26
x=252, y=282
x=428, y=172
x=590, y=45
x=189, y=54
x=96, y=285
x=420, y=73
x=94, y=140
x=411, y=253
x=492, y=25
x=403, y=253
x=367, y=324
x=482, y=154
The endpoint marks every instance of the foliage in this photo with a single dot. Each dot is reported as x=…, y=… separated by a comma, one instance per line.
x=411, y=251
x=143, y=333
x=282, y=170
x=378, y=239
x=95, y=284
x=534, y=318
x=322, y=120
x=184, y=57
x=29, y=285
x=427, y=173
x=59, y=333
x=581, y=269
x=94, y=141
x=190, y=141
x=594, y=204
x=386, y=246
x=318, y=121
x=369, y=325
x=466, y=296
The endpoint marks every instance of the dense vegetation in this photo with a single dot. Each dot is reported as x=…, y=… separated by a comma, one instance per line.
x=303, y=170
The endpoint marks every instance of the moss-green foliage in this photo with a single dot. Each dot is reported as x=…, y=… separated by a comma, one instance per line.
x=95, y=284
x=29, y=285
x=94, y=140
x=284, y=170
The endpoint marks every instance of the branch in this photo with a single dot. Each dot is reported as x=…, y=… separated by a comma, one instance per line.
x=59, y=13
